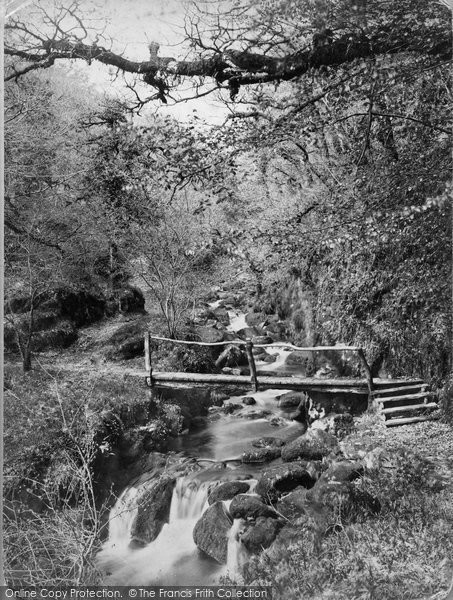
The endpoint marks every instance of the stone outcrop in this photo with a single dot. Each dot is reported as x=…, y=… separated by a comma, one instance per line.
x=211, y=532
x=261, y=455
x=313, y=445
x=227, y=491
x=292, y=399
x=153, y=510
x=261, y=534
x=249, y=507
x=283, y=478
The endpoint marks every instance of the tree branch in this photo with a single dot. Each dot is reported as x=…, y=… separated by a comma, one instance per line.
x=239, y=68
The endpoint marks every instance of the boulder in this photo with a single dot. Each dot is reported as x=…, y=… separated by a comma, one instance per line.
x=254, y=319
x=268, y=442
x=209, y=334
x=211, y=532
x=153, y=510
x=248, y=400
x=248, y=332
x=292, y=399
x=130, y=300
x=270, y=358
x=313, y=445
x=277, y=480
x=298, y=358
x=231, y=356
x=227, y=491
x=341, y=471
x=261, y=455
x=250, y=507
x=221, y=314
x=261, y=535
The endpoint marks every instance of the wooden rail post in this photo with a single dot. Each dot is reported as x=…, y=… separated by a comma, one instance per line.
x=251, y=359
x=368, y=375
x=148, y=364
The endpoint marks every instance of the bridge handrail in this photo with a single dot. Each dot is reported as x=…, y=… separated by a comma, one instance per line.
x=244, y=343
x=249, y=347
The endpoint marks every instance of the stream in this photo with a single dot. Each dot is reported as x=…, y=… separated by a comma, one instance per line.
x=173, y=558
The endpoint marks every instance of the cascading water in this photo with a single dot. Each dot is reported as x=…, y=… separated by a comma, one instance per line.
x=173, y=558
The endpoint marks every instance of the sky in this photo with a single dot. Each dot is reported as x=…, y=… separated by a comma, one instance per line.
x=133, y=24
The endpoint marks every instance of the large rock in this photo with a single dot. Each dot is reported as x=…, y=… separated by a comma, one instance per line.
x=250, y=507
x=153, y=510
x=292, y=399
x=221, y=314
x=227, y=491
x=211, y=532
x=313, y=445
x=298, y=358
x=261, y=535
x=209, y=334
x=277, y=480
x=341, y=471
x=248, y=400
x=248, y=332
x=254, y=319
x=261, y=455
x=232, y=356
x=130, y=300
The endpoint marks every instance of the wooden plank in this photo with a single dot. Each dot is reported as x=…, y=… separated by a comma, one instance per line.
x=407, y=397
x=286, y=382
x=382, y=384
x=424, y=397
x=406, y=421
x=399, y=389
x=396, y=409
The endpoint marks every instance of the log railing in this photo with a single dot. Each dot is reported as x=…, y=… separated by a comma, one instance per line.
x=248, y=344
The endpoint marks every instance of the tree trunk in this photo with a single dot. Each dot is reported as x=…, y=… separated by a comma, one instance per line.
x=26, y=359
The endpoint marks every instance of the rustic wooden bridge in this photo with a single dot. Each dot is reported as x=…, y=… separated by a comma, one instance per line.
x=400, y=401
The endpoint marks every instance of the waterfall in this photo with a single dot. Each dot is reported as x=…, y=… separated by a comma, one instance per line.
x=154, y=564
x=189, y=499
x=121, y=518
x=237, y=554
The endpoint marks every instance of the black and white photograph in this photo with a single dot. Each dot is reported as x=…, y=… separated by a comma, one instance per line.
x=227, y=312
